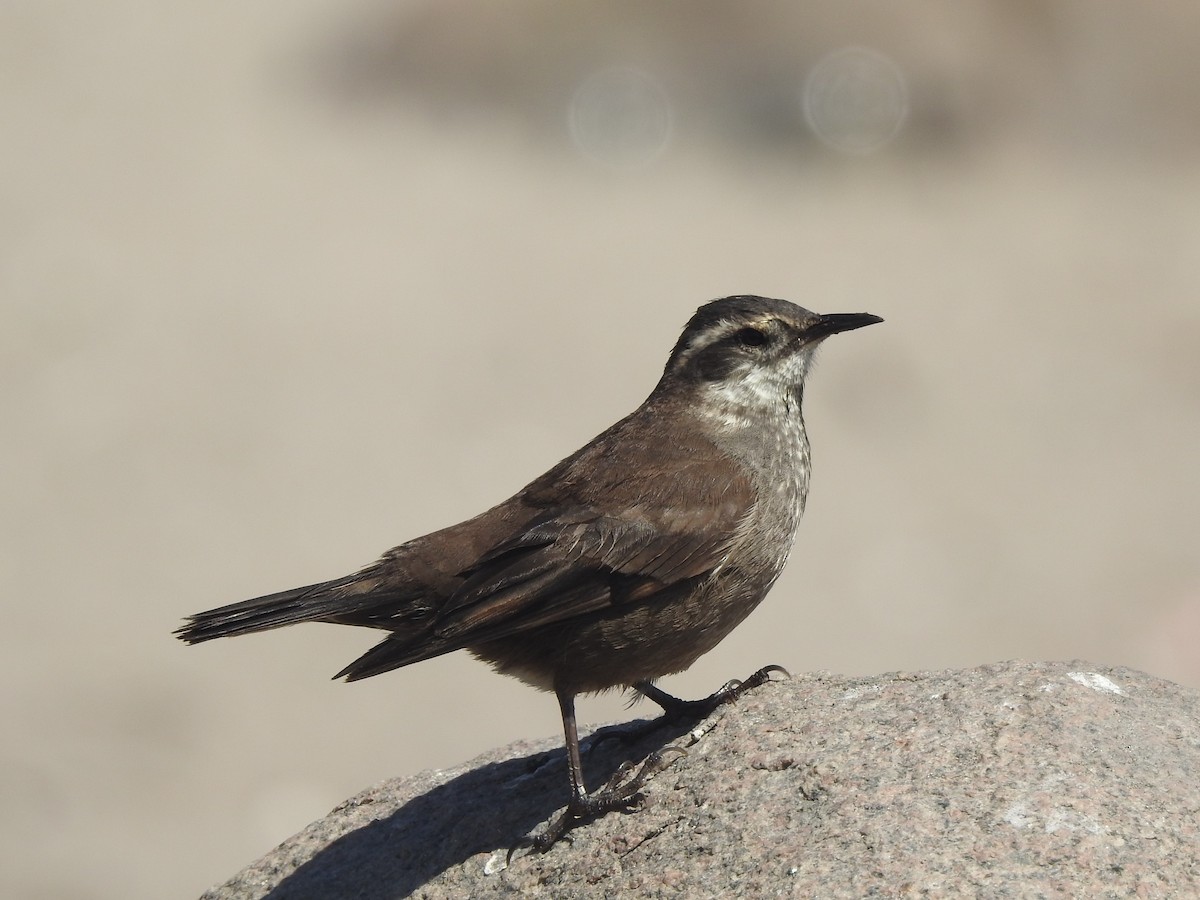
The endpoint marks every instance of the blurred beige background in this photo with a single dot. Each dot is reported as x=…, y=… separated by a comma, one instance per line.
x=284, y=284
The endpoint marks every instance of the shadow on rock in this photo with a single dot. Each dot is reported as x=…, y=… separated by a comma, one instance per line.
x=481, y=811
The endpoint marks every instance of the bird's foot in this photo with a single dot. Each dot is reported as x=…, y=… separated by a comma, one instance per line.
x=622, y=792
x=675, y=709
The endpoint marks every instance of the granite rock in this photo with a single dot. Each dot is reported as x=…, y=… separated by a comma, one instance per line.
x=1008, y=780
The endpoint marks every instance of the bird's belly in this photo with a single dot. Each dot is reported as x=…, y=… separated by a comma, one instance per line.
x=628, y=644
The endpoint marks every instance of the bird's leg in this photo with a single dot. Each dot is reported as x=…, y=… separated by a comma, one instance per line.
x=622, y=791
x=675, y=709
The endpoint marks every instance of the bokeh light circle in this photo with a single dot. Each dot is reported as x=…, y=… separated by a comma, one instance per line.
x=855, y=100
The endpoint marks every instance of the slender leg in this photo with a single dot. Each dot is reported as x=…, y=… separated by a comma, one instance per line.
x=566, y=705
x=621, y=792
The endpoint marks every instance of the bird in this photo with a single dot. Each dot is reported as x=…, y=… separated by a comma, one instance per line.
x=622, y=564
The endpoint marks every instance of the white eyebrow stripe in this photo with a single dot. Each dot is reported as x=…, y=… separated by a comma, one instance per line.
x=727, y=327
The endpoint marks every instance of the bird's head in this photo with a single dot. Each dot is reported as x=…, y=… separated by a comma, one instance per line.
x=744, y=353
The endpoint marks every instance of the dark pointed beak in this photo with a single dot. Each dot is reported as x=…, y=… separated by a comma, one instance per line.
x=836, y=323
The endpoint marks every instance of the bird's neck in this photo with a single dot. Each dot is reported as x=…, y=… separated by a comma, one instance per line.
x=765, y=433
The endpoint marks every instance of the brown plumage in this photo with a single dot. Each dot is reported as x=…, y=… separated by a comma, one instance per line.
x=626, y=561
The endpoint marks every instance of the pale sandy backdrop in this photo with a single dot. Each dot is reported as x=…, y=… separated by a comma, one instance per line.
x=283, y=284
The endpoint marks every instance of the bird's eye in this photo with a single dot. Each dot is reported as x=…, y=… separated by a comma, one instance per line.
x=751, y=337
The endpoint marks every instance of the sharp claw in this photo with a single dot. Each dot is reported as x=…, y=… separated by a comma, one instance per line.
x=526, y=841
x=758, y=679
x=731, y=688
x=766, y=671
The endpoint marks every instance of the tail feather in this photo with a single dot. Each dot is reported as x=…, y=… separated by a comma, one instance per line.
x=396, y=651
x=302, y=604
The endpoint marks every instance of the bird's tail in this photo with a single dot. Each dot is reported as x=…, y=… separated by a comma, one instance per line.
x=304, y=604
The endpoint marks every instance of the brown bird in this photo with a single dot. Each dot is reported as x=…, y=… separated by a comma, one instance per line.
x=626, y=561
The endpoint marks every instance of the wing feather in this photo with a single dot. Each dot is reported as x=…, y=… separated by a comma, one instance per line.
x=676, y=524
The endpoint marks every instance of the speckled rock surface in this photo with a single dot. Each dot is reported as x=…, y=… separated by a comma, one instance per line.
x=1010, y=780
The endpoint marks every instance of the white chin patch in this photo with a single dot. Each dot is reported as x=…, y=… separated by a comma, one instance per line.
x=763, y=386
